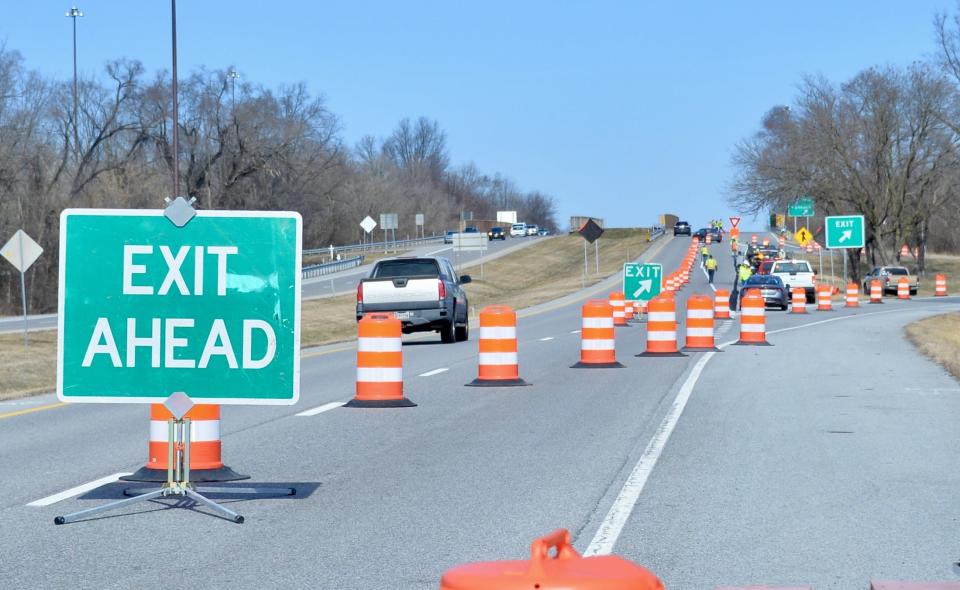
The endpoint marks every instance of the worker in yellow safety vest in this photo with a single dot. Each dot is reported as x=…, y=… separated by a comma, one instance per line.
x=744, y=273
x=704, y=252
x=711, y=266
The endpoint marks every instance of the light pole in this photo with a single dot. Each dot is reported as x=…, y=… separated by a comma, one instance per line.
x=233, y=75
x=176, y=118
x=75, y=13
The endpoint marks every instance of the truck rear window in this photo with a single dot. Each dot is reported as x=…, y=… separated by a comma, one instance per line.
x=897, y=271
x=792, y=267
x=388, y=269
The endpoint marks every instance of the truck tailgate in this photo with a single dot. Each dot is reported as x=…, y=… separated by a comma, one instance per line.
x=400, y=293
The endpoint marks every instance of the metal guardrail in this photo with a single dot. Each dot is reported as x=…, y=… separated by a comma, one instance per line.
x=318, y=270
x=656, y=233
x=373, y=246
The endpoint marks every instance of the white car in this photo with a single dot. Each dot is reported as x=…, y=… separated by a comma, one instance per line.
x=532, y=230
x=518, y=230
x=796, y=274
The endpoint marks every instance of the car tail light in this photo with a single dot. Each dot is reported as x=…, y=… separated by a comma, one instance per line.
x=441, y=289
x=359, y=292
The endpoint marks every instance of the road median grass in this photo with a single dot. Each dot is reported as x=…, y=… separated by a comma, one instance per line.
x=541, y=272
x=938, y=337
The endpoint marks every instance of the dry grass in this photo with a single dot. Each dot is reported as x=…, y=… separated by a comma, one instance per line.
x=541, y=272
x=938, y=337
x=26, y=370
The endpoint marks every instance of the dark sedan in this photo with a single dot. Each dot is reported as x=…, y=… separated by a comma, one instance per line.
x=496, y=233
x=771, y=288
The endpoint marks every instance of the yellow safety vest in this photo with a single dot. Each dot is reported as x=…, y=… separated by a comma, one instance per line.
x=711, y=264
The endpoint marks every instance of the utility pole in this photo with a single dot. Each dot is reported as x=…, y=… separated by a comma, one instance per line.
x=75, y=13
x=176, y=117
x=233, y=75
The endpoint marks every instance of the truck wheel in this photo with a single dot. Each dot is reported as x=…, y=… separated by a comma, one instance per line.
x=463, y=332
x=448, y=333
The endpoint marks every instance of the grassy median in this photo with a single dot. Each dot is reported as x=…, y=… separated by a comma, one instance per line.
x=938, y=337
x=543, y=271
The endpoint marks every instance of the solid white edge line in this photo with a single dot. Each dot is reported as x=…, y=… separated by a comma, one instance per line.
x=613, y=523
x=574, y=331
x=320, y=409
x=80, y=489
x=546, y=338
x=433, y=372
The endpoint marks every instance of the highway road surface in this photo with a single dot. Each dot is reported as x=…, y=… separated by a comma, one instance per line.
x=335, y=284
x=825, y=459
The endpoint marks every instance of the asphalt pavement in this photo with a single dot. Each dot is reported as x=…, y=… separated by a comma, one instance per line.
x=767, y=473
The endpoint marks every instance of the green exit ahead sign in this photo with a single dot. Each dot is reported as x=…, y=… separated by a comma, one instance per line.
x=844, y=231
x=641, y=282
x=148, y=308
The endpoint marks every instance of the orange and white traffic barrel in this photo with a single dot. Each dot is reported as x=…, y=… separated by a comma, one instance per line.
x=753, y=239
x=876, y=292
x=753, y=321
x=662, y=327
x=206, y=464
x=709, y=238
x=903, y=288
x=668, y=284
x=824, y=298
x=553, y=564
x=379, y=363
x=853, y=295
x=940, y=286
x=617, y=303
x=721, y=305
x=597, y=341
x=628, y=310
x=798, y=300
x=499, y=366
x=699, y=335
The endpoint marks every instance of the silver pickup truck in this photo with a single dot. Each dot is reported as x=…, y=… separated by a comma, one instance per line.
x=426, y=294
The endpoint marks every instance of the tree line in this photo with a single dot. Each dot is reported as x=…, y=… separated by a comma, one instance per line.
x=883, y=144
x=241, y=146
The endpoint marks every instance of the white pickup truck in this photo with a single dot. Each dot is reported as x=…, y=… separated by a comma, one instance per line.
x=794, y=274
x=425, y=294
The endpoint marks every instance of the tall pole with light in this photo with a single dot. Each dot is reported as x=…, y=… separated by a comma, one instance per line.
x=233, y=75
x=75, y=13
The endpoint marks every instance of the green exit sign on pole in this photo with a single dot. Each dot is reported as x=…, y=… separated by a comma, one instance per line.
x=803, y=207
x=642, y=282
x=845, y=231
x=147, y=308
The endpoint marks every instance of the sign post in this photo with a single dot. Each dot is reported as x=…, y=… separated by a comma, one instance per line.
x=419, y=224
x=642, y=282
x=591, y=232
x=21, y=251
x=845, y=232
x=802, y=207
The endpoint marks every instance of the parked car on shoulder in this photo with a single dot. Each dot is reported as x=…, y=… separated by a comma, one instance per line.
x=889, y=277
x=771, y=288
x=681, y=228
x=496, y=233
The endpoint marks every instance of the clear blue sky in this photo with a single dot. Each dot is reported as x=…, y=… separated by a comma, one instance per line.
x=618, y=109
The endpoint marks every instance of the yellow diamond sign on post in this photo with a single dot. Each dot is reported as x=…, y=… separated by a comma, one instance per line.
x=803, y=236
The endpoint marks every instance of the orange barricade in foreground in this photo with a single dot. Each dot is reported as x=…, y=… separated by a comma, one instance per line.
x=379, y=363
x=662, y=327
x=597, y=341
x=940, y=286
x=565, y=570
x=753, y=323
x=903, y=288
x=205, y=462
x=876, y=292
x=798, y=300
x=853, y=295
x=498, y=348
x=699, y=324
x=721, y=305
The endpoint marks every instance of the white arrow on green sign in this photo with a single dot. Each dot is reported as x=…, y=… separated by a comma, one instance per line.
x=845, y=231
x=147, y=308
x=642, y=282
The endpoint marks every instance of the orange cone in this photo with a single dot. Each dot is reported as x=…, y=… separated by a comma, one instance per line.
x=662, y=327
x=597, y=341
x=628, y=310
x=876, y=292
x=617, y=303
x=721, y=305
x=753, y=325
x=205, y=462
x=798, y=300
x=379, y=363
x=903, y=288
x=853, y=295
x=699, y=324
x=940, y=286
x=498, y=348
x=824, y=298
x=565, y=569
